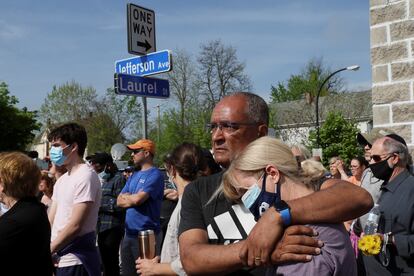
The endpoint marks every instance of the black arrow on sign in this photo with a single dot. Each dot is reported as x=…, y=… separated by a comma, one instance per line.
x=145, y=45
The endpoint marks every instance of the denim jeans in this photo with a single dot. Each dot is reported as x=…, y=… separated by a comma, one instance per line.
x=129, y=253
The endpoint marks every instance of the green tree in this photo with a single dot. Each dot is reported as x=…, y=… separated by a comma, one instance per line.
x=125, y=112
x=172, y=134
x=68, y=102
x=17, y=125
x=183, y=88
x=102, y=132
x=337, y=137
x=308, y=81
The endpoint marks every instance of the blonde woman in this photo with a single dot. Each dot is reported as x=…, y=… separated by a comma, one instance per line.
x=24, y=229
x=266, y=172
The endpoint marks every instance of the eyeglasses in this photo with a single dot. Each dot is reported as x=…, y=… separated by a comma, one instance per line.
x=377, y=158
x=226, y=127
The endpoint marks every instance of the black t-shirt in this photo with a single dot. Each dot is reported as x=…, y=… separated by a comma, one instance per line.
x=25, y=240
x=224, y=222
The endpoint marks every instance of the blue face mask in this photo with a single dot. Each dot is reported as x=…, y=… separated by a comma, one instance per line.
x=259, y=200
x=56, y=155
x=104, y=175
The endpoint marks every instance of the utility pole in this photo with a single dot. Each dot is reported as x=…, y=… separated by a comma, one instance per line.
x=158, y=123
x=144, y=117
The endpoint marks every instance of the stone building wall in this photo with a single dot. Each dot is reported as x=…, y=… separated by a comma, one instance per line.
x=392, y=60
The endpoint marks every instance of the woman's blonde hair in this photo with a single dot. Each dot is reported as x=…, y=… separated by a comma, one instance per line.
x=19, y=174
x=254, y=159
x=312, y=173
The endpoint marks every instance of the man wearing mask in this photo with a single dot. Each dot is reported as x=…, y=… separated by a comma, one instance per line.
x=217, y=236
x=110, y=227
x=76, y=199
x=389, y=158
x=368, y=180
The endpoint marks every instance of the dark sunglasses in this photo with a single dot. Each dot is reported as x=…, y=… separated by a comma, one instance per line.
x=378, y=158
x=137, y=151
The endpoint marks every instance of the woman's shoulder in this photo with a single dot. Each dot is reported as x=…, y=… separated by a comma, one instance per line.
x=336, y=256
x=331, y=233
x=28, y=213
x=29, y=209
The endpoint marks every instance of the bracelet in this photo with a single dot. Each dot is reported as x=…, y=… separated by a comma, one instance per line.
x=285, y=214
x=284, y=210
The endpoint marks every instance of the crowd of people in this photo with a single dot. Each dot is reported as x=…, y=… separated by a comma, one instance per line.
x=252, y=206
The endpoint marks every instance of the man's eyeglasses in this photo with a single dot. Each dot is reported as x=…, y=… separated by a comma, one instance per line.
x=377, y=158
x=227, y=127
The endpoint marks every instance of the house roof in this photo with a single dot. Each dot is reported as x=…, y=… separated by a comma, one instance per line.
x=300, y=113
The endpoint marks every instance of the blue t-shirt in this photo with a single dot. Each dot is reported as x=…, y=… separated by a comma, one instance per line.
x=147, y=215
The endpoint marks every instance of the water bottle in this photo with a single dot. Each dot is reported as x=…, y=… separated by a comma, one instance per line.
x=146, y=243
x=372, y=221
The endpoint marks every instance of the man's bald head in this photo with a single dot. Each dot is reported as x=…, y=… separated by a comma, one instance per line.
x=239, y=119
x=388, y=145
x=256, y=108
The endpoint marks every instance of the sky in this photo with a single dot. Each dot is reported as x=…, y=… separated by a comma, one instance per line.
x=48, y=42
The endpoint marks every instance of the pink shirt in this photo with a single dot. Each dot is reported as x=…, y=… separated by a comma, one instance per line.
x=82, y=185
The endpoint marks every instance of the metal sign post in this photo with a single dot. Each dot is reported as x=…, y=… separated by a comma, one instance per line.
x=144, y=118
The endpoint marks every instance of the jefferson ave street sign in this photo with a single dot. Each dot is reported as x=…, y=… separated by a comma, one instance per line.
x=141, y=30
x=140, y=86
x=154, y=63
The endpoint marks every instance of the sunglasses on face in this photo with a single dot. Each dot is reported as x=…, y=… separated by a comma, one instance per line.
x=377, y=158
x=137, y=151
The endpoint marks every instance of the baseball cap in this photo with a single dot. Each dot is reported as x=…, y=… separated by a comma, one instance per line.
x=369, y=138
x=144, y=144
x=101, y=158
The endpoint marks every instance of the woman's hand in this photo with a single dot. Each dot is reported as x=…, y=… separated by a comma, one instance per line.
x=171, y=194
x=145, y=267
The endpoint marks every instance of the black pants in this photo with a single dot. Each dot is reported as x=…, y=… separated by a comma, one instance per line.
x=108, y=242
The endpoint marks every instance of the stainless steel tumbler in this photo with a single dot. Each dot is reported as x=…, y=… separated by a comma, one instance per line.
x=146, y=241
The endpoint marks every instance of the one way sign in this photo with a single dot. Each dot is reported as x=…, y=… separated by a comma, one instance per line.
x=141, y=30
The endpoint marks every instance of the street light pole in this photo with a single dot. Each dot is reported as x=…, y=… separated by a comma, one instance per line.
x=351, y=68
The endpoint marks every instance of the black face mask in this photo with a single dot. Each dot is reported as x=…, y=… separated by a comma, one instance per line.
x=382, y=170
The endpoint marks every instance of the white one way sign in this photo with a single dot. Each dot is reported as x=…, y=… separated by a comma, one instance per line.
x=141, y=30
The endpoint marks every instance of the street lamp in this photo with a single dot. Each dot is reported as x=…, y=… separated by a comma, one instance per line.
x=350, y=68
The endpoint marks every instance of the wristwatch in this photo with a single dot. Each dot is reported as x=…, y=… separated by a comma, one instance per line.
x=284, y=210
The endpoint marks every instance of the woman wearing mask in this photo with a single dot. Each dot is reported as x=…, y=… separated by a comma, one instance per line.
x=186, y=163
x=25, y=228
x=265, y=174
